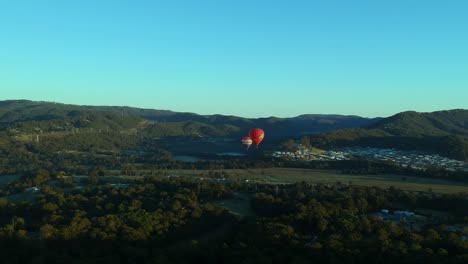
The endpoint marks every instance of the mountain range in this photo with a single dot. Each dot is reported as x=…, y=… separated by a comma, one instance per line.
x=23, y=113
x=443, y=132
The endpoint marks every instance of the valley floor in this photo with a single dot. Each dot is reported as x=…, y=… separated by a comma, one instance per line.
x=293, y=175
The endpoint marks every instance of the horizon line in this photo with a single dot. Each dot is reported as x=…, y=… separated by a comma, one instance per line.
x=227, y=115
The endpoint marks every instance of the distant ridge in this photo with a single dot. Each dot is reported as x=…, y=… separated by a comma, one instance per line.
x=430, y=124
x=21, y=111
x=443, y=132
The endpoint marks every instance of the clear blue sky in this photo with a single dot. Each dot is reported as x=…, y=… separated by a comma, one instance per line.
x=243, y=57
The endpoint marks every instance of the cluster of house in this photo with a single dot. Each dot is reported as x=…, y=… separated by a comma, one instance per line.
x=407, y=159
x=305, y=154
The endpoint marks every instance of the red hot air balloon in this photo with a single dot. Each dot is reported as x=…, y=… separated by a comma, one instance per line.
x=246, y=141
x=257, y=136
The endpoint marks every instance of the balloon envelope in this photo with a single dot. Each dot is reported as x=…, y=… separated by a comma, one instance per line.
x=246, y=141
x=257, y=135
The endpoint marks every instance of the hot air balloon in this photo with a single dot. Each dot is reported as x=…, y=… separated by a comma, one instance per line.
x=257, y=135
x=246, y=141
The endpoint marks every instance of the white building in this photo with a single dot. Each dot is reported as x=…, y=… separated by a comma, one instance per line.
x=33, y=190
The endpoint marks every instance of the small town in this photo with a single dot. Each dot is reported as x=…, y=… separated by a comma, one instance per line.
x=406, y=159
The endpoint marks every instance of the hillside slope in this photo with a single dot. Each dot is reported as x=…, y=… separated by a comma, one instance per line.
x=49, y=116
x=443, y=132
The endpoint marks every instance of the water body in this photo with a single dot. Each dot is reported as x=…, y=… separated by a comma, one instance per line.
x=304, y=133
x=236, y=154
x=186, y=158
x=193, y=158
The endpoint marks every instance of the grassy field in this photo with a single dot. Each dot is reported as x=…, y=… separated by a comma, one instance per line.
x=239, y=204
x=291, y=175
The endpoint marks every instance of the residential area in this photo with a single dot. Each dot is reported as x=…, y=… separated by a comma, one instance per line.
x=411, y=159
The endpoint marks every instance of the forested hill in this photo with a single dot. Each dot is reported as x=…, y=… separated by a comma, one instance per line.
x=443, y=132
x=55, y=116
x=426, y=124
